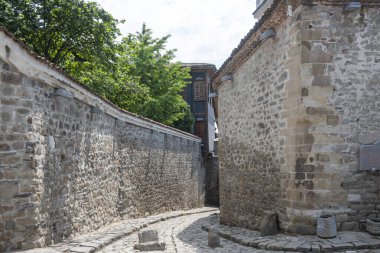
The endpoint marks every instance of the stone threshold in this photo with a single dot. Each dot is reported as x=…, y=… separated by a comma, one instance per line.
x=98, y=239
x=292, y=243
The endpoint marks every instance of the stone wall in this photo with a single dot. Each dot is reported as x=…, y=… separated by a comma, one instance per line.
x=212, y=178
x=71, y=164
x=340, y=110
x=251, y=151
x=292, y=119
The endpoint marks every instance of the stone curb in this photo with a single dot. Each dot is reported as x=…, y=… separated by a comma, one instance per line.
x=274, y=243
x=97, y=240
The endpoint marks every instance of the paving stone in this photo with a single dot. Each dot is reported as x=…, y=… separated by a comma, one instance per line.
x=304, y=247
x=82, y=249
x=90, y=244
x=277, y=245
x=150, y=246
x=61, y=247
x=264, y=244
x=293, y=245
x=326, y=247
x=315, y=248
x=360, y=245
x=42, y=251
x=335, y=240
x=373, y=243
x=99, y=242
x=342, y=246
x=256, y=242
x=245, y=242
x=187, y=234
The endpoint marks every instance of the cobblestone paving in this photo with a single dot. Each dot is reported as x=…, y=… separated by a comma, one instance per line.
x=90, y=242
x=185, y=235
x=184, y=232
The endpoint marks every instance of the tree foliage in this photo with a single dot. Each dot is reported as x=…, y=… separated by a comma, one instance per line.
x=62, y=30
x=136, y=74
x=152, y=65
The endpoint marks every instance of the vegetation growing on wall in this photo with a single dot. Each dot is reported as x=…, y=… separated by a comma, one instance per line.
x=136, y=74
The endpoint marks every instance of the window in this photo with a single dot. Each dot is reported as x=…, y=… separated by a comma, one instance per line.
x=199, y=91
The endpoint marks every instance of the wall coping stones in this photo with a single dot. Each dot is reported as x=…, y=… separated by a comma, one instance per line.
x=286, y=242
x=16, y=53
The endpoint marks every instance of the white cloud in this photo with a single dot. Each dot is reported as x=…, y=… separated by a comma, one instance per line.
x=201, y=30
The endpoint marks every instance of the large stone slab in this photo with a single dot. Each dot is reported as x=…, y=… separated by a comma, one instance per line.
x=148, y=236
x=370, y=156
x=213, y=237
x=369, y=137
x=150, y=246
x=39, y=251
x=269, y=225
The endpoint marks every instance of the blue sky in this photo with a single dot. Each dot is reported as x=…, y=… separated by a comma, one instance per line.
x=201, y=30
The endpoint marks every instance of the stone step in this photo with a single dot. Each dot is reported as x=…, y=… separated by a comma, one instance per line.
x=290, y=243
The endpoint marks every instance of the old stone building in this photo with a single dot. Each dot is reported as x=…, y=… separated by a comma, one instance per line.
x=72, y=162
x=197, y=95
x=201, y=98
x=299, y=112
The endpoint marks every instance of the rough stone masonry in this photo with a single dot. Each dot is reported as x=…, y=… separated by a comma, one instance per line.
x=70, y=162
x=295, y=114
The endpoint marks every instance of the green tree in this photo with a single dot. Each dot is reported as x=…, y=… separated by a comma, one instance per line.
x=76, y=35
x=152, y=65
x=62, y=30
x=137, y=74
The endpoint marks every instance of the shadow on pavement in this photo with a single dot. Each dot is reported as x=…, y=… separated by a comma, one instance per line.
x=194, y=236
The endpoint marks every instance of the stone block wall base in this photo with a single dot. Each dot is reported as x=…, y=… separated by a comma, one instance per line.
x=150, y=246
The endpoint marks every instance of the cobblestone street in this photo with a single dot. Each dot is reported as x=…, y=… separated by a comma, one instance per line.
x=184, y=232
x=185, y=235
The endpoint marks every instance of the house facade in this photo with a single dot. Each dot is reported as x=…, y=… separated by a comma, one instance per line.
x=197, y=95
x=299, y=116
x=202, y=99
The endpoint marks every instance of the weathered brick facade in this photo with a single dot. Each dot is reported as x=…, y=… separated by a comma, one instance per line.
x=292, y=119
x=69, y=165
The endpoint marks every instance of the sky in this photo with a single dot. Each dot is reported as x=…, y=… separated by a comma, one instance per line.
x=203, y=31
